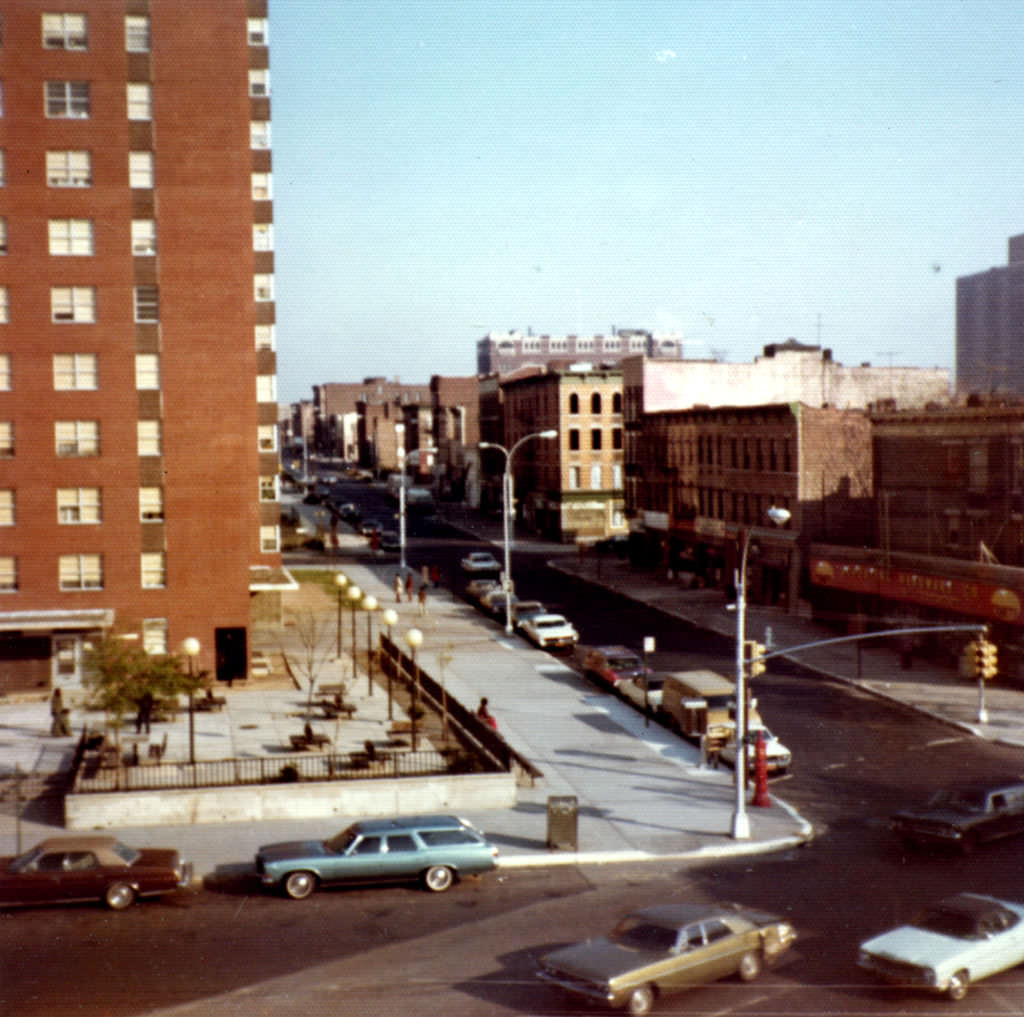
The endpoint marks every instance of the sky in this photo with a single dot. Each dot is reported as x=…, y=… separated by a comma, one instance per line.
x=740, y=173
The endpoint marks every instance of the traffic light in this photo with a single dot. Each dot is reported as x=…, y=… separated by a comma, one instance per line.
x=969, y=661
x=988, y=662
x=752, y=654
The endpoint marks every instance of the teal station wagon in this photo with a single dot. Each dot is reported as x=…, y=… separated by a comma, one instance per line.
x=436, y=850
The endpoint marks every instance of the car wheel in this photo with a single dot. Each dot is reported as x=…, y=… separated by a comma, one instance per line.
x=750, y=966
x=119, y=896
x=641, y=1001
x=438, y=878
x=299, y=885
x=958, y=985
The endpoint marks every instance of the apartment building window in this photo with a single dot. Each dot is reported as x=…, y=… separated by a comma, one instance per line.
x=262, y=186
x=140, y=169
x=151, y=504
x=3, y=234
x=140, y=100
x=617, y=476
x=150, y=443
x=78, y=506
x=585, y=345
x=154, y=636
x=977, y=466
x=5, y=372
x=136, y=33
x=77, y=438
x=147, y=303
x=67, y=100
x=270, y=539
x=65, y=31
x=3, y=167
x=7, y=512
x=75, y=372
x=263, y=288
x=595, y=477
x=154, y=570
x=268, y=488
x=265, y=337
x=6, y=439
x=574, y=478
x=574, y=403
x=266, y=388
x=143, y=237
x=8, y=574
x=574, y=439
x=71, y=237
x=263, y=236
x=257, y=31
x=595, y=403
x=617, y=438
x=259, y=82
x=5, y=313
x=616, y=402
x=73, y=304
x=267, y=437
x=81, y=572
x=72, y=168
x=259, y=134
x=147, y=371
x=595, y=438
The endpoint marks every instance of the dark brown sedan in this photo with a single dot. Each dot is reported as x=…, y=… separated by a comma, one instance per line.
x=90, y=868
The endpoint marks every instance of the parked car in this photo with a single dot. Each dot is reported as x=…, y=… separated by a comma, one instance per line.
x=480, y=561
x=436, y=850
x=90, y=867
x=349, y=512
x=964, y=818
x=390, y=541
x=633, y=690
x=368, y=527
x=523, y=609
x=493, y=602
x=949, y=945
x=550, y=631
x=611, y=664
x=777, y=756
x=476, y=588
x=667, y=948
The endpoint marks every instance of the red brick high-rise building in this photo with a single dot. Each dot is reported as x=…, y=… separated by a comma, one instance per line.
x=138, y=404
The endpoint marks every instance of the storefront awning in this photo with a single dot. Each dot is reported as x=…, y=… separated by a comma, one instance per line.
x=56, y=621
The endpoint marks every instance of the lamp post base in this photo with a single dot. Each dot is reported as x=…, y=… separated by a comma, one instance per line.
x=740, y=826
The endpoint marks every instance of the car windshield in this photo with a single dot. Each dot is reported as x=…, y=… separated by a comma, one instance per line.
x=624, y=663
x=24, y=861
x=341, y=842
x=969, y=801
x=639, y=934
x=946, y=922
x=550, y=623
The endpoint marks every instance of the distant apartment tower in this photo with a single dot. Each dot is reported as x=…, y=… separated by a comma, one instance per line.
x=990, y=327
x=138, y=403
x=504, y=352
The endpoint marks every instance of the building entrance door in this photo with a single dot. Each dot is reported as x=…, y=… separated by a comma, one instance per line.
x=232, y=654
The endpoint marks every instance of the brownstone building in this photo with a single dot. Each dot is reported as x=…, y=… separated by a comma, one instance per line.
x=455, y=405
x=138, y=413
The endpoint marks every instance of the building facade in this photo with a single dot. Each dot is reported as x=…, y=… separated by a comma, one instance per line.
x=504, y=352
x=455, y=405
x=990, y=327
x=138, y=407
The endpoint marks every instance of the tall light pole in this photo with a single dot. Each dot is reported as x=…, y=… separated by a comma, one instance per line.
x=369, y=605
x=415, y=639
x=507, y=503
x=389, y=618
x=340, y=581
x=740, y=819
x=403, y=460
x=190, y=647
x=354, y=595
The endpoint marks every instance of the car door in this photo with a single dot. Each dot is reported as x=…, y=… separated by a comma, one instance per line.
x=361, y=862
x=689, y=959
x=41, y=881
x=402, y=856
x=1002, y=946
x=83, y=877
x=723, y=949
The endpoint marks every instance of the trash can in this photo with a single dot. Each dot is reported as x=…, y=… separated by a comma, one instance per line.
x=563, y=817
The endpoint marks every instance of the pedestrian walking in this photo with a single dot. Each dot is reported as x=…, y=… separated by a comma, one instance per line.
x=409, y=583
x=484, y=714
x=425, y=575
x=145, y=712
x=398, y=588
x=423, y=599
x=59, y=726
x=435, y=575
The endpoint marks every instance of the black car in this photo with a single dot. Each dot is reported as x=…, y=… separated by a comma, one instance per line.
x=964, y=818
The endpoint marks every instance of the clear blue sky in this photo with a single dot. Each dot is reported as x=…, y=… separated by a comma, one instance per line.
x=727, y=170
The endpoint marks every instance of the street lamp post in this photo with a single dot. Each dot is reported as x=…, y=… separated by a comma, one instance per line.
x=369, y=605
x=340, y=581
x=740, y=819
x=507, y=503
x=190, y=647
x=415, y=639
x=403, y=460
x=389, y=618
x=354, y=595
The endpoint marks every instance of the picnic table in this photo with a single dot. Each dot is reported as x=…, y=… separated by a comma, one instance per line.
x=308, y=740
x=333, y=708
x=209, y=703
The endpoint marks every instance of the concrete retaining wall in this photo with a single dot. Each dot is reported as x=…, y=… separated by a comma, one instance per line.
x=382, y=796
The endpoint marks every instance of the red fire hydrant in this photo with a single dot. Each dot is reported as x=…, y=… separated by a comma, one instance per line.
x=761, y=798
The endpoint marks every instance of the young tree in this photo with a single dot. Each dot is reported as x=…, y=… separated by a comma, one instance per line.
x=315, y=648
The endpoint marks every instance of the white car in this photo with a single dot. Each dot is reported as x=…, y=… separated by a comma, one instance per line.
x=949, y=945
x=633, y=690
x=550, y=631
x=777, y=755
x=480, y=561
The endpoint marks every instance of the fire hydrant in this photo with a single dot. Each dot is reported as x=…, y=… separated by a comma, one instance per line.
x=761, y=798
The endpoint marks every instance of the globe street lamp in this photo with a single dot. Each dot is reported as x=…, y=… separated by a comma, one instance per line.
x=507, y=501
x=190, y=647
x=389, y=618
x=354, y=595
x=369, y=605
x=340, y=581
x=415, y=639
x=740, y=819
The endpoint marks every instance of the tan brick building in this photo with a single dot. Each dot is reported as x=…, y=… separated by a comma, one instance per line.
x=138, y=412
